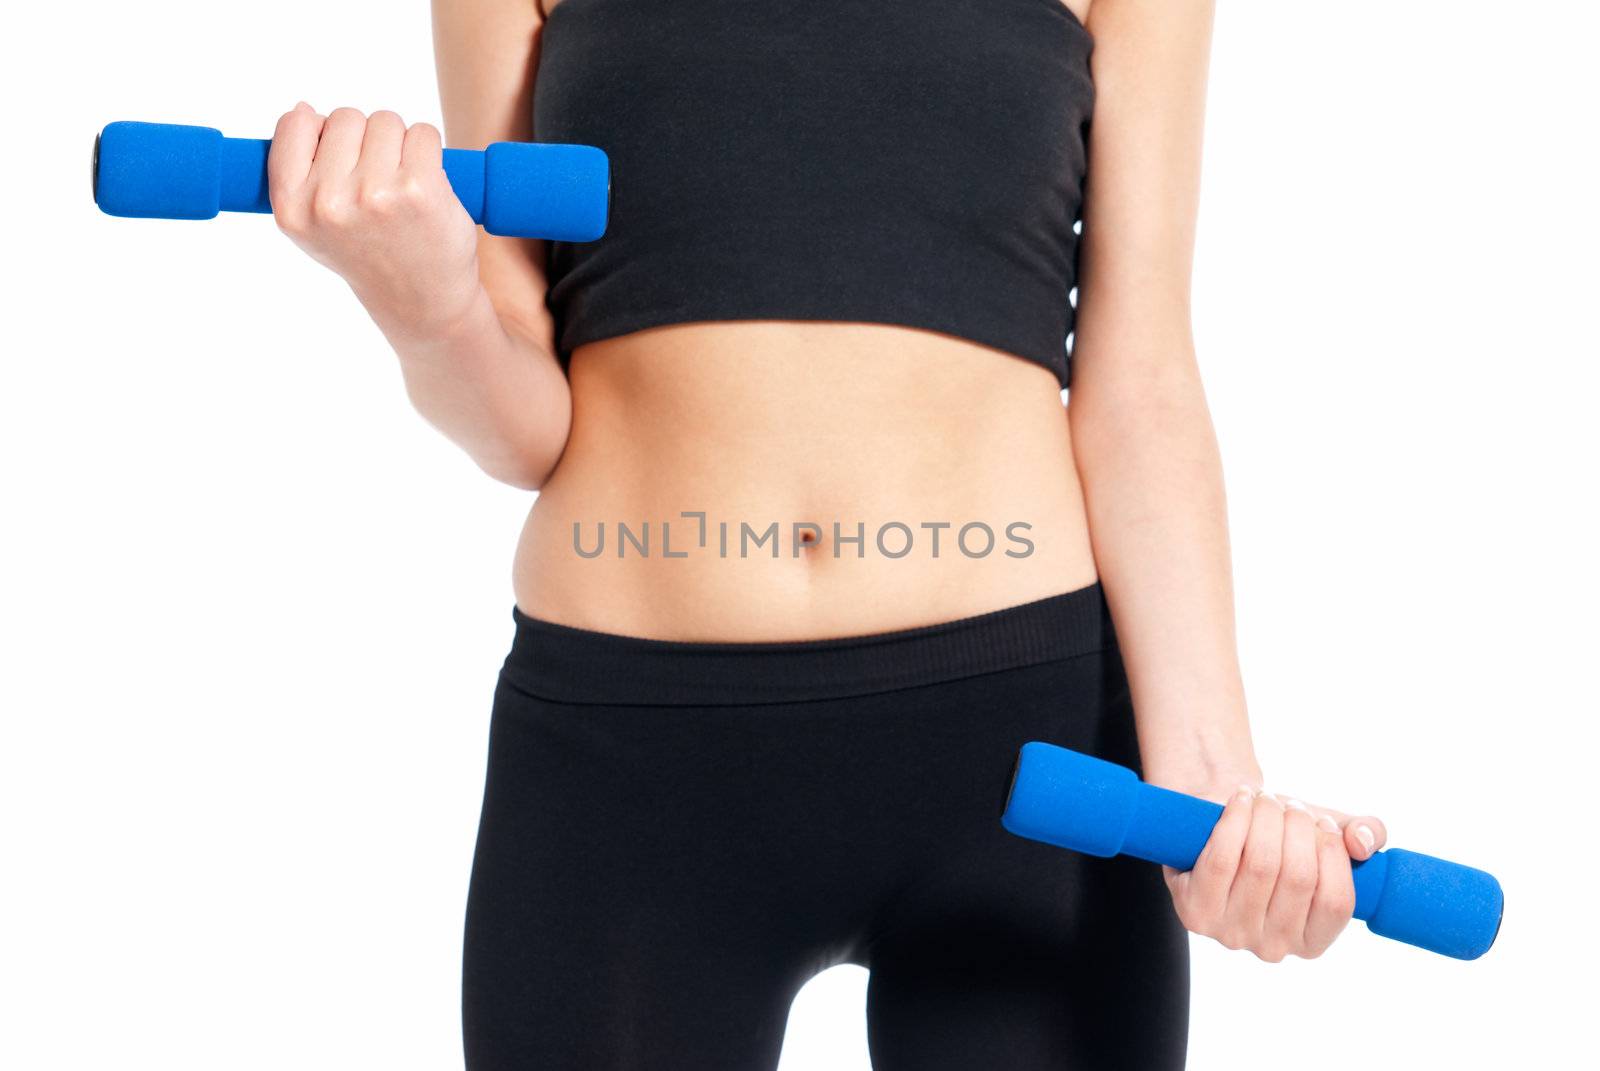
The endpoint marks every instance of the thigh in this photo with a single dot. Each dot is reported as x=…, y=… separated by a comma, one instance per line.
x=600, y=933
x=1002, y=951
x=1068, y=963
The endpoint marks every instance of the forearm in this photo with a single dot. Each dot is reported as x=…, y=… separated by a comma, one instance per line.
x=489, y=389
x=1148, y=459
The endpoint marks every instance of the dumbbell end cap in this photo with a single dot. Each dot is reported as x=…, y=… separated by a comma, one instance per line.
x=1070, y=799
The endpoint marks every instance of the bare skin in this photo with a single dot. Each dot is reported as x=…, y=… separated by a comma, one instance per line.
x=821, y=422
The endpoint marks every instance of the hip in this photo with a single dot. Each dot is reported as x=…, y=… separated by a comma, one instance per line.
x=762, y=811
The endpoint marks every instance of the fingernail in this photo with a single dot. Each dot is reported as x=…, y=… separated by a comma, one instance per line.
x=1327, y=824
x=1365, y=836
x=1269, y=796
x=1244, y=794
x=1295, y=805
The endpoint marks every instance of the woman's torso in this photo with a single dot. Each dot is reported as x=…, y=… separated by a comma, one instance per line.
x=950, y=458
x=762, y=422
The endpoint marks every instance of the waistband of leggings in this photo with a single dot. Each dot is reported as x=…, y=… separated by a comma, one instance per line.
x=573, y=665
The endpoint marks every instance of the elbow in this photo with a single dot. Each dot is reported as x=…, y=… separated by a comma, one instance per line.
x=521, y=456
x=522, y=475
x=522, y=478
x=526, y=466
x=513, y=444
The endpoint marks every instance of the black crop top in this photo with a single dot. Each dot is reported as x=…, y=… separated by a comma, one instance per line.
x=915, y=162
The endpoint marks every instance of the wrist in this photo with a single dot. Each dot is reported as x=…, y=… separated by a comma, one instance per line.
x=443, y=316
x=1202, y=765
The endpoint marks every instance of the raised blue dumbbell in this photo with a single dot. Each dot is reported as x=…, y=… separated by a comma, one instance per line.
x=516, y=189
x=1076, y=801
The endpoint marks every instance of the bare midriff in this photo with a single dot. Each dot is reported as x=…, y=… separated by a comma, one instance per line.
x=789, y=480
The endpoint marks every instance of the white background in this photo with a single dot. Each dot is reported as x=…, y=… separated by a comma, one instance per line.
x=253, y=606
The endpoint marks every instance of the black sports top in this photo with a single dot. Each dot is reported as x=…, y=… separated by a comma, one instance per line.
x=915, y=162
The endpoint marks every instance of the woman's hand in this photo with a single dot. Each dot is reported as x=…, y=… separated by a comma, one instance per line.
x=368, y=198
x=1274, y=876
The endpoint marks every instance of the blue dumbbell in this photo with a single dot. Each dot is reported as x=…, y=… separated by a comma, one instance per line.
x=517, y=189
x=1076, y=801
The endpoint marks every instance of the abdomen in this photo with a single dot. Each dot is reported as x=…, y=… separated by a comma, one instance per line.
x=950, y=460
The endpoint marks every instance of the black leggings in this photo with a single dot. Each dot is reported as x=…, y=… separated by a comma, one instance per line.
x=676, y=836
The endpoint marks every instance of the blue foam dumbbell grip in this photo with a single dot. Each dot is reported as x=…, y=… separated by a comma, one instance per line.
x=1077, y=801
x=517, y=189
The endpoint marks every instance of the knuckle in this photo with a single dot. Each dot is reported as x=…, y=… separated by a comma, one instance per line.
x=1215, y=926
x=426, y=128
x=291, y=220
x=1261, y=864
x=388, y=196
x=410, y=191
x=330, y=208
x=1299, y=878
x=385, y=115
x=345, y=112
x=375, y=197
x=1341, y=903
x=1231, y=938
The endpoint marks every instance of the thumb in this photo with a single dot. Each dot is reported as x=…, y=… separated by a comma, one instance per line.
x=1363, y=836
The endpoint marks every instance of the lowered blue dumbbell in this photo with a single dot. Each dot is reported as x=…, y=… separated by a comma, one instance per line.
x=1076, y=801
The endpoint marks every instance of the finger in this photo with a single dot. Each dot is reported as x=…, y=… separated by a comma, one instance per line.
x=380, y=145
x=422, y=148
x=1206, y=891
x=1177, y=882
x=294, y=143
x=1335, y=899
x=1258, y=871
x=1363, y=836
x=1285, y=926
x=339, y=148
x=1360, y=843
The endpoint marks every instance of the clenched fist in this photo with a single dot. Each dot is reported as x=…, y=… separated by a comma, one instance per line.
x=367, y=196
x=1274, y=876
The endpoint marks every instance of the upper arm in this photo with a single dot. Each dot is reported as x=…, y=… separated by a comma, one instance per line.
x=486, y=55
x=1141, y=195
